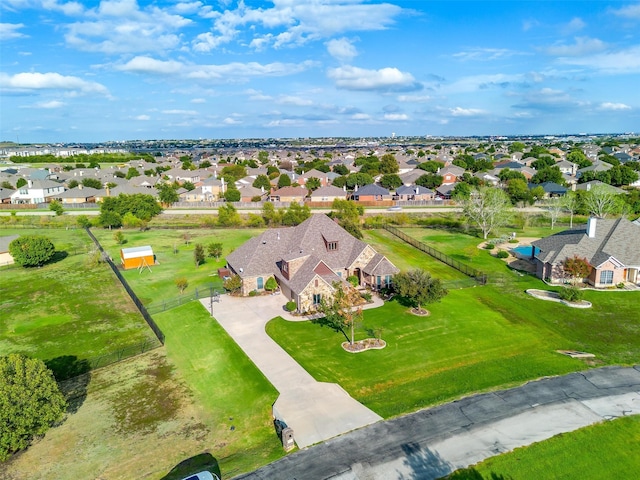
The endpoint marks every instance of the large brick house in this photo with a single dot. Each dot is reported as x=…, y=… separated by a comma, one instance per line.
x=307, y=260
x=611, y=246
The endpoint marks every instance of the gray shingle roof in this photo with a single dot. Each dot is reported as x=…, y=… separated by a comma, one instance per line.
x=618, y=238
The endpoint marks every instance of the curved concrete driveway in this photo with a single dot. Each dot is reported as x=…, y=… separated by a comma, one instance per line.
x=316, y=411
x=432, y=443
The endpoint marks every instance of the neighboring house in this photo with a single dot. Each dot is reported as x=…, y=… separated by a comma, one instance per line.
x=307, y=260
x=79, y=194
x=413, y=192
x=313, y=173
x=597, y=183
x=5, y=195
x=328, y=194
x=289, y=194
x=445, y=191
x=567, y=167
x=611, y=246
x=248, y=193
x=551, y=189
x=5, y=256
x=451, y=174
x=37, y=191
x=597, y=166
x=371, y=193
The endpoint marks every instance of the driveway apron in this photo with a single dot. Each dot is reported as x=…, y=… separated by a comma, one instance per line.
x=316, y=411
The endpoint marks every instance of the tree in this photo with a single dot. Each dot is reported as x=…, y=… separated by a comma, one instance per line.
x=429, y=180
x=168, y=193
x=182, y=283
x=601, y=201
x=348, y=214
x=548, y=174
x=461, y=191
x=489, y=208
x=576, y=268
x=507, y=174
x=340, y=312
x=313, y=184
x=358, y=179
x=132, y=172
x=262, y=181
x=118, y=237
x=295, y=214
x=419, y=287
x=56, y=206
x=21, y=182
x=231, y=173
x=232, y=194
x=579, y=158
x=228, y=216
x=110, y=219
x=391, y=181
x=214, y=250
x=198, y=254
x=32, y=250
x=388, y=164
x=187, y=185
x=555, y=207
x=263, y=157
x=516, y=147
x=233, y=283
x=271, y=215
x=30, y=402
x=73, y=183
x=143, y=206
x=340, y=169
x=83, y=221
x=284, y=181
x=92, y=183
x=518, y=191
x=433, y=167
x=570, y=204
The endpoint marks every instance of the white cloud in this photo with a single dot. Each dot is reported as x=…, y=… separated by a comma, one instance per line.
x=68, y=8
x=10, y=30
x=485, y=54
x=623, y=61
x=465, y=112
x=414, y=98
x=294, y=100
x=582, y=46
x=386, y=79
x=50, y=104
x=231, y=121
x=50, y=81
x=198, y=100
x=360, y=116
x=396, y=117
x=630, y=11
x=187, y=7
x=257, y=95
x=575, y=25
x=616, y=107
x=152, y=66
x=121, y=26
x=341, y=49
x=143, y=118
x=295, y=22
x=180, y=112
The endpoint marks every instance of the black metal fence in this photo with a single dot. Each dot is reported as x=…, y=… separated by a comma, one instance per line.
x=141, y=308
x=169, y=303
x=477, y=275
x=123, y=353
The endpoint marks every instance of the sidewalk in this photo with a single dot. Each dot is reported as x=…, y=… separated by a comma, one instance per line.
x=316, y=411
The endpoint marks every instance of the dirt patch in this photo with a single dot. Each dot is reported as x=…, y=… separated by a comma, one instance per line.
x=137, y=420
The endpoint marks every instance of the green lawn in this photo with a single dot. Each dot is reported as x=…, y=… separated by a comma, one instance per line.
x=66, y=308
x=599, y=452
x=158, y=284
x=476, y=339
x=235, y=395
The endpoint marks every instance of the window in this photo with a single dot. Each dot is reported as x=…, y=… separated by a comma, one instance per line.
x=379, y=281
x=606, y=277
x=317, y=297
x=387, y=281
x=260, y=283
x=331, y=246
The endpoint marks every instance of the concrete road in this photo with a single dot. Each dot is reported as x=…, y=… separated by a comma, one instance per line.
x=434, y=442
x=316, y=411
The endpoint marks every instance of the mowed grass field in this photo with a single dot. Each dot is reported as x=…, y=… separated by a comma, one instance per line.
x=598, y=452
x=476, y=339
x=66, y=308
x=175, y=258
x=138, y=420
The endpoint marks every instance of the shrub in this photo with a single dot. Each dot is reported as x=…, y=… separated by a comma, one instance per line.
x=253, y=293
x=570, y=294
x=489, y=246
x=513, y=240
x=291, y=306
x=233, y=284
x=503, y=254
x=182, y=283
x=620, y=285
x=353, y=280
x=367, y=296
x=271, y=285
x=32, y=250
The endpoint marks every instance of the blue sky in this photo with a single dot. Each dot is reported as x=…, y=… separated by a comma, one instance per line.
x=91, y=71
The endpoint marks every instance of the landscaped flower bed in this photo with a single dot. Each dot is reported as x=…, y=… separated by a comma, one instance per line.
x=363, y=345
